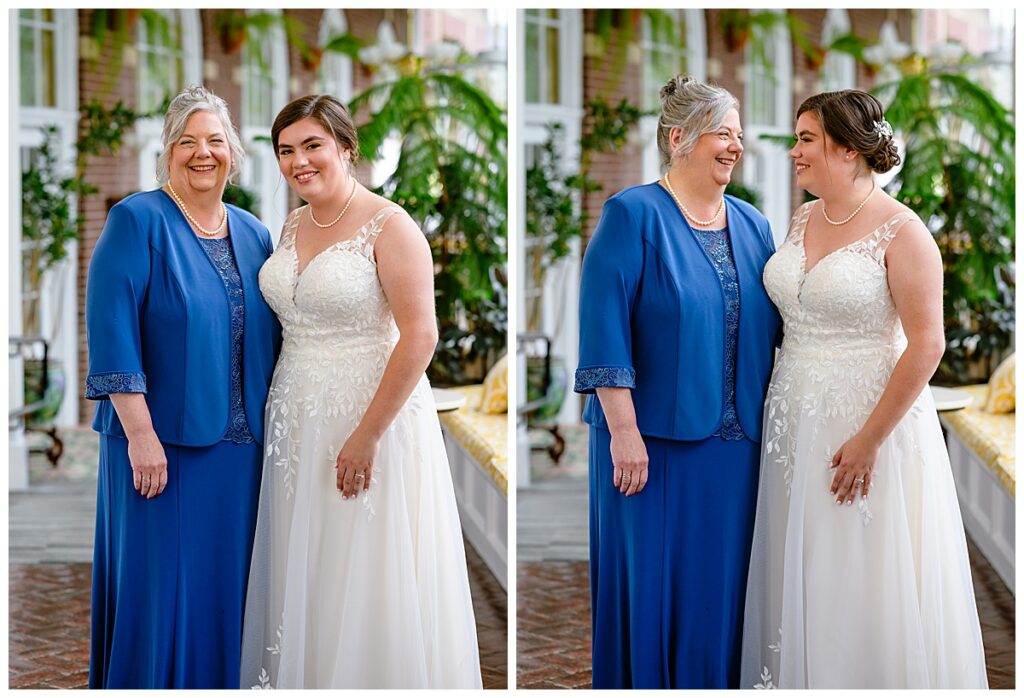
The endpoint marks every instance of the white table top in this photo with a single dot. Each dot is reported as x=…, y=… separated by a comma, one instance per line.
x=448, y=400
x=949, y=399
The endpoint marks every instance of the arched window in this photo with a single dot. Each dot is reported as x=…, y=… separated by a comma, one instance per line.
x=170, y=58
x=840, y=69
x=767, y=110
x=673, y=42
x=264, y=93
x=334, y=76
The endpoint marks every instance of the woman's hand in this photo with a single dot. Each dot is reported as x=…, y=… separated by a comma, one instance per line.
x=355, y=464
x=149, y=464
x=853, y=463
x=629, y=458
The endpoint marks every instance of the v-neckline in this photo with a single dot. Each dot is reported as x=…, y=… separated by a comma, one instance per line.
x=804, y=271
x=295, y=248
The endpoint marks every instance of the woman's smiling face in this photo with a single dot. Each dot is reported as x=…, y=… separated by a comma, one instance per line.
x=720, y=150
x=819, y=162
x=201, y=157
x=310, y=160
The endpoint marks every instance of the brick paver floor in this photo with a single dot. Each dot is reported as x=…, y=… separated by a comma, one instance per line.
x=49, y=579
x=49, y=624
x=553, y=594
x=553, y=624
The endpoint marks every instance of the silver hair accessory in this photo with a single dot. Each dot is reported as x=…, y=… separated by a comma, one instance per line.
x=883, y=129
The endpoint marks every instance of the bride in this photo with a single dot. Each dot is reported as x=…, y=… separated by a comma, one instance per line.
x=859, y=576
x=358, y=575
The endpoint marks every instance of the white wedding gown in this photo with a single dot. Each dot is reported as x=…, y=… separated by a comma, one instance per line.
x=370, y=592
x=877, y=594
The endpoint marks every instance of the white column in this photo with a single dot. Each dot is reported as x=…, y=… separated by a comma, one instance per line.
x=518, y=264
x=17, y=447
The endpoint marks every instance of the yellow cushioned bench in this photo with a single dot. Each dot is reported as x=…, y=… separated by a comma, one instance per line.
x=990, y=436
x=483, y=436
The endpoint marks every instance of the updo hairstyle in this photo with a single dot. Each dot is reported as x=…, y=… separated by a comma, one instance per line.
x=325, y=110
x=854, y=119
x=694, y=107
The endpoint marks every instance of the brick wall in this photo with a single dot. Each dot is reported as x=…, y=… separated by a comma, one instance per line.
x=116, y=176
x=610, y=76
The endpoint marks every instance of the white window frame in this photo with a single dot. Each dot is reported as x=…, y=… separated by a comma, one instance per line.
x=390, y=152
x=335, y=74
x=766, y=167
x=149, y=132
x=60, y=290
x=839, y=71
x=562, y=282
x=261, y=173
x=697, y=63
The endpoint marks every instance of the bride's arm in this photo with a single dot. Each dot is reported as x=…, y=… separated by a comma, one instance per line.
x=406, y=272
x=915, y=280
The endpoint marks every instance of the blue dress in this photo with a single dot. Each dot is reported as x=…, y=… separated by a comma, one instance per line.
x=170, y=573
x=668, y=566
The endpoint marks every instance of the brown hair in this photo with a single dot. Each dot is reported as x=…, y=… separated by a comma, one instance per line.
x=854, y=119
x=328, y=112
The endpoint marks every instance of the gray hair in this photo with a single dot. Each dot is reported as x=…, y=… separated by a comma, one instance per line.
x=192, y=99
x=696, y=108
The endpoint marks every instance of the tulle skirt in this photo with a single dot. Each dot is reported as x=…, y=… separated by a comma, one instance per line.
x=872, y=595
x=370, y=592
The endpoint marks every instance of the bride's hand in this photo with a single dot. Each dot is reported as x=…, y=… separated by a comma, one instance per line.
x=355, y=464
x=853, y=463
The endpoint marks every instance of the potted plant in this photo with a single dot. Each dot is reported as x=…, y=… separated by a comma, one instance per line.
x=451, y=178
x=555, y=216
x=49, y=224
x=958, y=175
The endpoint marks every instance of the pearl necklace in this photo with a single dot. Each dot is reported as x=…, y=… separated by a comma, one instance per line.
x=691, y=218
x=351, y=196
x=203, y=231
x=855, y=211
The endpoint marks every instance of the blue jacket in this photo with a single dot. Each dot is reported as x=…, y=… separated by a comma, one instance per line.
x=652, y=317
x=158, y=322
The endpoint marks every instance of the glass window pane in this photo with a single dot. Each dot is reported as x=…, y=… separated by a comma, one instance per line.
x=48, y=69
x=554, y=83
x=532, y=48
x=46, y=15
x=27, y=66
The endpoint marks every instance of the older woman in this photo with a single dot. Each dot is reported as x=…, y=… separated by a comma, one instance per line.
x=676, y=338
x=181, y=350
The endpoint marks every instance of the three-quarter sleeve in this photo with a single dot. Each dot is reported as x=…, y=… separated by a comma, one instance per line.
x=612, y=267
x=116, y=288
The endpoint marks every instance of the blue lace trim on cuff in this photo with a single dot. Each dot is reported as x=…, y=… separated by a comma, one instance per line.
x=99, y=386
x=589, y=379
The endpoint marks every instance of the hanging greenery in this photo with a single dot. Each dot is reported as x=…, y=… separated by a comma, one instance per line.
x=452, y=178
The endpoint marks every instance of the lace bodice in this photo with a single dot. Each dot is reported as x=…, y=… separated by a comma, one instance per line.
x=716, y=245
x=337, y=301
x=223, y=258
x=842, y=304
